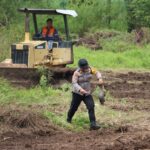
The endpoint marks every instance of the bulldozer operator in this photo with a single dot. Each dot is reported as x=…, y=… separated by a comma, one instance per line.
x=82, y=91
x=49, y=33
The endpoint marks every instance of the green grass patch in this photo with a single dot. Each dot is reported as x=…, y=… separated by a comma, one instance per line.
x=131, y=59
x=9, y=94
x=79, y=123
x=54, y=104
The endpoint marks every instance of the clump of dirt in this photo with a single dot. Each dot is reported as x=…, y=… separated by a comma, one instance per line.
x=92, y=41
x=89, y=42
x=121, y=107
x=26, y=122
x=132, y=141
x=123, y=129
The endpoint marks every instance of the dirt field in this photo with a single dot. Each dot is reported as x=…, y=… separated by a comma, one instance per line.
x=35, y=133
x=134, y=85
x=71, y=141
x=31, y=131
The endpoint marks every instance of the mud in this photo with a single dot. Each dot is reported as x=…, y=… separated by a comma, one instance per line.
x=129, y=85
x=95, y=140
x=131, y=105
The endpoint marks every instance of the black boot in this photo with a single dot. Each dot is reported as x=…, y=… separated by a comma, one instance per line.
x=68, y=120
x=94, y=126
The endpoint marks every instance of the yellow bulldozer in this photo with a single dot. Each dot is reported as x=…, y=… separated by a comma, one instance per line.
x=26, y=56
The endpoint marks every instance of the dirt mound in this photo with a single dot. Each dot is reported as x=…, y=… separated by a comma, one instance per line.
x=92, y=41
x=25, y=122
x=89, y=42
x=30, y=77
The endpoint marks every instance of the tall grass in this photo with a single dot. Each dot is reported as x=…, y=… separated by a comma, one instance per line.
x=95, y=16
x=8, y=36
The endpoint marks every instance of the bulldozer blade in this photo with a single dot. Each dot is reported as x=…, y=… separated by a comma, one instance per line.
x=20, y=76
x=31, y=76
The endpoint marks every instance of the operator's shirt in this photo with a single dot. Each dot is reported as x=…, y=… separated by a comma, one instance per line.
x=82, y=79
x=49, y=33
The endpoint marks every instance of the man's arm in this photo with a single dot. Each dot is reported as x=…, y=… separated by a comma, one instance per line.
x=56, y=35
x=98, y=76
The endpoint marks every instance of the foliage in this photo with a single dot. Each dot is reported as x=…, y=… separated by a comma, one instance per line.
x=43, y=81
x=7, y=11
x=95, y=14
x=138, y=13
x=88, y=12
x=113, y=14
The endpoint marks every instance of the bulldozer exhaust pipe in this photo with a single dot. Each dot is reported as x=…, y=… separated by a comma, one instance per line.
x=27, y=27
x=27, y=36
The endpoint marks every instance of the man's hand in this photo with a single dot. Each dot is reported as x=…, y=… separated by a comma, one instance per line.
x=82, y=91
x=102, y=97
x=102, y=92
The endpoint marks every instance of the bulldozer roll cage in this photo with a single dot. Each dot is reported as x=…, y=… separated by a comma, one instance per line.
x=36, y=12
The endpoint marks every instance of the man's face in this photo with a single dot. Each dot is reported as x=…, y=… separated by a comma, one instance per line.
x=85, y=69
x=49, y=24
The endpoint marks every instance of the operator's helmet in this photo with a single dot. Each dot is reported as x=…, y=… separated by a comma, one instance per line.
x=83, y=63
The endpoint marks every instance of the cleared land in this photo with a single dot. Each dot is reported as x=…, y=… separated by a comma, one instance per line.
x=30, y=122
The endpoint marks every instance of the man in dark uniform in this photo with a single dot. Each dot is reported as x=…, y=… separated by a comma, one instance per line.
x=82, y=91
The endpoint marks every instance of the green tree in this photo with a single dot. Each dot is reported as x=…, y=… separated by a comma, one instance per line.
x=108, y=12
x=8, y=11
x=138, y=13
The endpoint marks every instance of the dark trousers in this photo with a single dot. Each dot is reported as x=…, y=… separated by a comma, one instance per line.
x=76, y=100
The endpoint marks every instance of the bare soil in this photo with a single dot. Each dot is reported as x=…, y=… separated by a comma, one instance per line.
x=92, y=41
x=122, y=138
x=129, y=85
x=25, y=129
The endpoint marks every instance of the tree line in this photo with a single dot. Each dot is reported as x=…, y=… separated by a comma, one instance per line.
x=113, y=14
